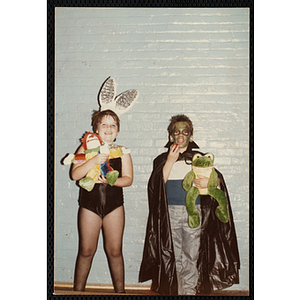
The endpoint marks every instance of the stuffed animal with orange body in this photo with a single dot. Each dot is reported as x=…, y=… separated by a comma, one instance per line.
x=93, y=145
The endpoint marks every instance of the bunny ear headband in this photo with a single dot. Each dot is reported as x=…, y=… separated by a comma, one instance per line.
x=120, y=104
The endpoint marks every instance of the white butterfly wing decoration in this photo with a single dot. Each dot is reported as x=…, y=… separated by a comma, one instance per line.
x=120, y=104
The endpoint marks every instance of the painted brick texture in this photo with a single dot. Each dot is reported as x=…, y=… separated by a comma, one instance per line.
x=191, y=61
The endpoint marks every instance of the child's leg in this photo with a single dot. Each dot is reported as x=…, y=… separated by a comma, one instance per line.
x=190, y=254
x=113, y=228
x=89, y=225
x=176, y=213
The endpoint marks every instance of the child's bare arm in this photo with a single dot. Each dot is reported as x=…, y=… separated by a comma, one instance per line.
x=80, y=170
x=127, y=172
x=171, y=159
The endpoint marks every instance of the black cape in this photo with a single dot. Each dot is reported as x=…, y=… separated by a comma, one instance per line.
x=218, y=262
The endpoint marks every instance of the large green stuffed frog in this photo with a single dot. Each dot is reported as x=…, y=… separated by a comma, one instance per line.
x=202, y=165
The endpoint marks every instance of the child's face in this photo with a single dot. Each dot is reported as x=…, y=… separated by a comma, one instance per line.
x=108, y=129
x=181, y=134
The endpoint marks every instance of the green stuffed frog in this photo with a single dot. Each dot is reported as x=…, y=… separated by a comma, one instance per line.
x=202, y=165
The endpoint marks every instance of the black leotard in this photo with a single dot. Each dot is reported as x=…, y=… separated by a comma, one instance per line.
x=103, y=198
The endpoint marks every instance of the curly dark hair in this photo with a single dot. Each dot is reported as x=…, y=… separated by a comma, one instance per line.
x=98, y=115
x=180, y=118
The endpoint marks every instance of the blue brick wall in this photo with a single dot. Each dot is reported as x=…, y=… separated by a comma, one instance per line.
x=191, y=61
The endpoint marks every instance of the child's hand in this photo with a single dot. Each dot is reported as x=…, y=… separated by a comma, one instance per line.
x=101, y=158
x=201, y=182
x=173, y=154
x=102, y=179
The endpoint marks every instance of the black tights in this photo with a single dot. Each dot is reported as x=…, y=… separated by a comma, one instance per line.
x=89, y=226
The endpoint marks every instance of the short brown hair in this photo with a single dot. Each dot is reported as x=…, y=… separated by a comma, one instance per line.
x=98, y=115
x=179, y=118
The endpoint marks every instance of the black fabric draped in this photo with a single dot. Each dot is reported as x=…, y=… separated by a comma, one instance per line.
x=218, y=262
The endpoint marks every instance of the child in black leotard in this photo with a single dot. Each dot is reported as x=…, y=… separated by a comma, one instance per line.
x=102, y=208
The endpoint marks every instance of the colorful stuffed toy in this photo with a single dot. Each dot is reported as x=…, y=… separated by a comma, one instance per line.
x=202, y=165
x=93, y=145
